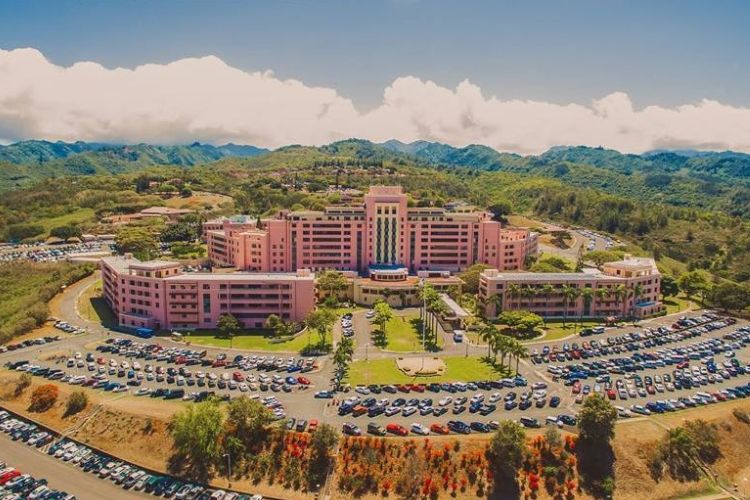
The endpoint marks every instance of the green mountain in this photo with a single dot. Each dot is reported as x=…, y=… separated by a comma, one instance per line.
x=25, y=162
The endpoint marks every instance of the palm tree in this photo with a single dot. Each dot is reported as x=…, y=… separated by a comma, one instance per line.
x=588, y=296
x=637, y=292
x=620, y=292
x=514, y=291
x=519, y=351
x=569, y=293
x=602, y=293
x=488, y=334
x=528, y=292
x=502, y=345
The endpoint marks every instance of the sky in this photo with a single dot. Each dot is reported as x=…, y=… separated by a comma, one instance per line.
x=517, y=76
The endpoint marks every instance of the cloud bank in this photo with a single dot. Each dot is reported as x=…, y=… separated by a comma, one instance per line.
x=204, y=99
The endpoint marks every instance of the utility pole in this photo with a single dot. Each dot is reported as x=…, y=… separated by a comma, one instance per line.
x=229, y=468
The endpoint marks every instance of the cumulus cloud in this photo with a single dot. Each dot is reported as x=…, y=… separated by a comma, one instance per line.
x=204, y=99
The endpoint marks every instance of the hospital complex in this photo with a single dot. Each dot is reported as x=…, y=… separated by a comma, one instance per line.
x=386, y=250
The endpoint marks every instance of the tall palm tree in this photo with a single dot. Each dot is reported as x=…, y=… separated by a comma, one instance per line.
x=637, y=293
x=514, y=291
x=587, y=294
x=569, y=293
x=527, y=292
x=520, y=351
x=488, y=334
x=620, y=292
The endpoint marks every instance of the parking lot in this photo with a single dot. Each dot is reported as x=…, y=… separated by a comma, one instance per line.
x=662, y=367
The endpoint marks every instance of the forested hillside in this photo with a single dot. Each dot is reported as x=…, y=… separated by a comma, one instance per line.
x=695, y=214
x=25, y=162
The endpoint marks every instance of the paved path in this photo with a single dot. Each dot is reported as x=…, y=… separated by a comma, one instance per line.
x=61, y=475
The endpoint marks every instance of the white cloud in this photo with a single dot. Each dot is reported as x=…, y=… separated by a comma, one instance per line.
x=206, y=100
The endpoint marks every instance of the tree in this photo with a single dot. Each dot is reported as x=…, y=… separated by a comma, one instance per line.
x=488, y=334
x=321, y=320
x=180, y=231
x=197, y=433
x=601, y=257
x=22, y=231
x=280, y=327
x=470, y=277
x=730, y=296
x=332, y=282
x=43, y=398
x=523, y=323
x=246, y=420
x=139, y=241
x=383, y=314
x=706, y=438
x=500, y=210
x=587, y=294
x=505, y=455
x=228, y=326
x=570, y=293
x=693, y=282
x=669, y=287
x=65, y=232
x=596, y=426
x=77, y=401
x=324, y=440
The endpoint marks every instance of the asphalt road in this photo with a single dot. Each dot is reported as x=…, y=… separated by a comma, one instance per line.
x=60, y=475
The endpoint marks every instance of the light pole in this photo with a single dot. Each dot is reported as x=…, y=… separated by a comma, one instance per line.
x=424, y=321
x=229, y=468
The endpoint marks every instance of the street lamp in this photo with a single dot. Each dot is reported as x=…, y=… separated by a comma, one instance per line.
x=229, y=468
x=424, y=321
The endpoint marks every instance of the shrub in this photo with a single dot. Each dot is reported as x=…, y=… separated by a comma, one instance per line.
x=43, y=398
x=24, y=381
x=741, y=415
x=76, y=403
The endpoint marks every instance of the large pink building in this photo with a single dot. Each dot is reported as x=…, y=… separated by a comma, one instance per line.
x=383, y=230
x=630, y=287
x=157, y=294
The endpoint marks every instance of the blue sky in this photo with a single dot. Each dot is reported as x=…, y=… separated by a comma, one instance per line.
x=659, y=52
x=517, y=76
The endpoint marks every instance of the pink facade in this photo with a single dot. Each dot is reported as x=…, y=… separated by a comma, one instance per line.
x=630, y=287
x=383, y=230
x=157, y=294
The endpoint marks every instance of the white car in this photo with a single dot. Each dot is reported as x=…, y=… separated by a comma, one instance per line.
x=420, y=429
x=445, y=401
x=495, y=397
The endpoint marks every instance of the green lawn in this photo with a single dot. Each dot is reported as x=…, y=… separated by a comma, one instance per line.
x=679, y=303
x=92, y=306
x=385, y=371
x=555, y=330
x=404, y=334
x=251, y=341
x=74, y=217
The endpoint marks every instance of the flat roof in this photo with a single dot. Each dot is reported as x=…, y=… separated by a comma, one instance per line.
x=546, y=277
x=240, y=277
x=455, y=308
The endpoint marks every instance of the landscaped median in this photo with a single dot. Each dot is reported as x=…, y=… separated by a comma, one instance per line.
x=403, y=333
x=385, y=371
x=259, y=341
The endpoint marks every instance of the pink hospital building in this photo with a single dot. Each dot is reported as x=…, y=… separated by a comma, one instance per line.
x=159, y=295
x=382, y=231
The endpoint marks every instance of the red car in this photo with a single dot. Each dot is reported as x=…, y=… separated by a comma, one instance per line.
x=303, y=380
x=683, y=364
x=439, y=428
x=403, y=388
x=238, y=377
x=417, y=387
x=397, y=429
x=8, y=476
x=611, y=394
x=576, y=388
x=312, y=425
